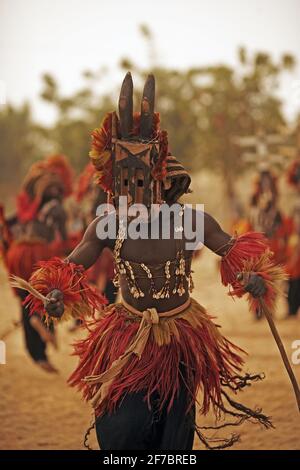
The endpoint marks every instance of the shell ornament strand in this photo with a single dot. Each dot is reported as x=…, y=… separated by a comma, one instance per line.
x=183, y=275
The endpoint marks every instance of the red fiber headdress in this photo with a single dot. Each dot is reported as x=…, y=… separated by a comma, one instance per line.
x=85, y=181
x=42, y=174
x=101, y=149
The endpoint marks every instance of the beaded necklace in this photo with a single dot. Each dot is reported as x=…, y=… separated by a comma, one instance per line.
x=182, y=272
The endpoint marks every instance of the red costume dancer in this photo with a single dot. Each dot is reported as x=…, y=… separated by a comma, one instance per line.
x=240, y=223
x=293, y=249
x=147, y=360
x=41, y=234
x=266, y=217
x=101, y=274
x=5, y=236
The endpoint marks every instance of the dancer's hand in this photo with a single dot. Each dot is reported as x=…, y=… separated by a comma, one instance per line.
x=255, y=285
x=55, y=305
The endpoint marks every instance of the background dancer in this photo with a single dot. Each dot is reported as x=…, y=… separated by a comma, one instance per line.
x=293, y=248
x=39, y=233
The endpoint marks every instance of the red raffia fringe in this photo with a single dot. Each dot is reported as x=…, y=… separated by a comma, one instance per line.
x=85, y=181
x=22, y=256
x=6, y=236
x=250, y=253
x=80, y=299
x=38, y=178
x=27, y=208
x=195, y=345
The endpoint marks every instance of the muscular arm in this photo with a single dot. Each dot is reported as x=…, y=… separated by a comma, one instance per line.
x=61, y=218
x=85, y=254
x=218, y=241
x=52, y=217
x=214, y=237
x=90, y=247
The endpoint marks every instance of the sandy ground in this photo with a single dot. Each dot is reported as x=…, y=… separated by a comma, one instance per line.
x=39, y=411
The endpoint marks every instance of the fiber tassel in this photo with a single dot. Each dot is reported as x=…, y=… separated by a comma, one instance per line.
x=80, y=299
x=210, y=360
x=20, y=283
x=250, y=253
x=239, y=413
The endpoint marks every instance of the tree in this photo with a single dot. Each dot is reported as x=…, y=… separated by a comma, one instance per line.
x=77, y=116
x=20, y=142
x=204, y=108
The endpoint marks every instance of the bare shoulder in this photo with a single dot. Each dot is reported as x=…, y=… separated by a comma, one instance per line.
x=102, y=230
x=91, y=246
x=201, y=220
x=210, y=224
x=209, y=230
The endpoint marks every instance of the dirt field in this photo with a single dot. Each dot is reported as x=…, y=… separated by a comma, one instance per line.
x=39, y=411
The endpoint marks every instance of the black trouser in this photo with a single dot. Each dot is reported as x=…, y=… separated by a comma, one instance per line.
x=134, y=427
x=35, y=346
x=294, y=296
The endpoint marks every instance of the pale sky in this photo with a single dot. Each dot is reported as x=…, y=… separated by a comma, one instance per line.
x=65, y=37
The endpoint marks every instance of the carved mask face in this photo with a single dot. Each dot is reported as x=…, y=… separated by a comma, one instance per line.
x=133, y=162
x=135, y=156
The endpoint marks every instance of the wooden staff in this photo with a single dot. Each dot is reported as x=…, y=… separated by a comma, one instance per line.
x=242, y=278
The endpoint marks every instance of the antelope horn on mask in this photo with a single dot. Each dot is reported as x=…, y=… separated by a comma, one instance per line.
x=126, y=106
x=147, y=108
x=130, y=153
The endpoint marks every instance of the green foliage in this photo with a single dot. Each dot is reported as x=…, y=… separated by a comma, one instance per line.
x=77, y=115
x=19, y=139
x=202, y=108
